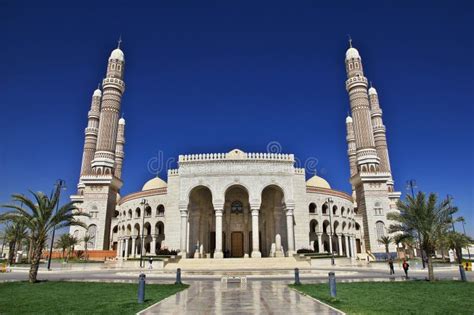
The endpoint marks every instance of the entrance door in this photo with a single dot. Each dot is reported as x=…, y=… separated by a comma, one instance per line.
x=237, y=241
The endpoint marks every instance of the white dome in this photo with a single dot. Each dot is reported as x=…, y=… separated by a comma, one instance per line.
x=97, y=93
x=117, y=54
x=154, y=183
x=122, y=121
x=372, y=91
x=317, y=181
x=352, y=53
x=348, y=119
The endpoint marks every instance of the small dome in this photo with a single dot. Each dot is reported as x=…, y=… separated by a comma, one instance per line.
x=117, y=54
x=154, y=183
x=317, y=181
x=236, y=154
x=372, y=91
x=122, y=121
x=97, y=93
x=352, y=53
x=348, y=119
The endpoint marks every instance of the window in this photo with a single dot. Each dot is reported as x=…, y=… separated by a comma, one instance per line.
x=380, y=229
x=312, y=207
x=92, y=231
x=378, y=209
x=160, y=210
x=236, y=207
x=325, y=209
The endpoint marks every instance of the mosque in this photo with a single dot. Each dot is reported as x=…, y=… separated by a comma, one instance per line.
x=236, y=203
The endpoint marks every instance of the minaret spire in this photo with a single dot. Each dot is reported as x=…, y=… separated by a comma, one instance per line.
x=119, y=41
x=350, y=40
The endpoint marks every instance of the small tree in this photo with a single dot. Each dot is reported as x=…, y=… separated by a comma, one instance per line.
x=424, y=216
x=386, y=240
x=63, y=244
x=457, y=241
x=40, y=217
x=73, y=241
x=401, y=238
x=87, y=239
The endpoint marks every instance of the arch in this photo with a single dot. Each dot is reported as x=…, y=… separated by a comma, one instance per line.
x=198, y=187
x=324, y=208
x=312, y=208
x=137, y=212
x=380, y=229
x=313, y=226
x=344, y=225
x=147, y=228
x=272, y=219
x=160, y=210
x=92, y=232
x=334, y=209
x=129, y=230
x=160, y=228
x=357, y=226
x=147, y=211
x=201, y=221
x=136, y=229
x=342, y=211
x=116, y=214
x=124, y=213
x=336, y=226
x=130, y=213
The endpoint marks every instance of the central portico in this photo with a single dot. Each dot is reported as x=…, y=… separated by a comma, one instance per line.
x=236, y=204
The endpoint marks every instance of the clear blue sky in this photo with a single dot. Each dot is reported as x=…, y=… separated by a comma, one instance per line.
x=210, y=77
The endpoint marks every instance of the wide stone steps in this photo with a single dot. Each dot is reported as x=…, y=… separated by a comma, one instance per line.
x=238, y=264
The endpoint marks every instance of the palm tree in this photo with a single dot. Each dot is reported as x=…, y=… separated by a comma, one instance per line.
x=386, y=240
x=40, y=218
x=457, y=241
x=87, y=239
x=15, y=233
x=63, y=244
x=423, y=215
x=401, y=238
x=73, y=241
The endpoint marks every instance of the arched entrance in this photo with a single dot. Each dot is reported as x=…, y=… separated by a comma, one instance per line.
x=236, y=223
x=272, y=222
x=201, y=222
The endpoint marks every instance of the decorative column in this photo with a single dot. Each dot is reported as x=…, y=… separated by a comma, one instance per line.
x=119, y=248
x=134, y=238
x=339, y=238
x=126, y=247
x=153, y=245
x=353, y=247
x=218, y=252
x=320, y=242
x=255, y=233
x=330, y=244
x=347, y=247
x=119, y=154
x=184, y=230
x=290, y=232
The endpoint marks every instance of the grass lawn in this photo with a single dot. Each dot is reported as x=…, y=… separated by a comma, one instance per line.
x=55, y=297
x=411, y=297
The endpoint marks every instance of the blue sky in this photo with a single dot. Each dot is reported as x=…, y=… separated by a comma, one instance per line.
x=212, y=76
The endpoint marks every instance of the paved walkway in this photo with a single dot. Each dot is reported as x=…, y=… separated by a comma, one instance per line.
x=256, y=297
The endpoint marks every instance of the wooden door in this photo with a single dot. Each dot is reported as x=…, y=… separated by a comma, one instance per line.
x=237, y=240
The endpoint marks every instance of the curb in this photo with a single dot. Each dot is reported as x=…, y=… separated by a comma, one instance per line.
x=157, y=303
x=316, y=300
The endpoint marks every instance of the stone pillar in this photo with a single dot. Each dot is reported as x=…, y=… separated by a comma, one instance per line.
x=290, y=232
x=153, y=245
x=339, y=239
x=119, y=248
x=134, y=247
x=347, y=247
x=354, y=254
x=126, y=247
x=320, y=242
x=255, y=234
x=330, y=243
x=184, y=231
x=218, y=252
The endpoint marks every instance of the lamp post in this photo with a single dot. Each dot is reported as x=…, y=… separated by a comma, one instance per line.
x=144, y=203
x=60, y=184
x=411, y=184
x=329, y=201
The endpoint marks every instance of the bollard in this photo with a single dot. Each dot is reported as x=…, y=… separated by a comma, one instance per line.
x=297, y=276
x=141, y=288
x=332, y=284
x=178, y=276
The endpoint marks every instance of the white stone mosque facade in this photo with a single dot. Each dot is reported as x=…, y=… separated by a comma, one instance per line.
x=236, y=204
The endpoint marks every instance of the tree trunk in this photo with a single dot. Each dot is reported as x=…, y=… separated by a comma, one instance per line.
x=30, y=251
x=11, y=252
x=35, y=262
x=87, y=257
x=430, y=268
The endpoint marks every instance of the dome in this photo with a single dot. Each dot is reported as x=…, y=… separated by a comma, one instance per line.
x=117, y=54
x=348, y=119
x=352, y=53
x=97, y=93
x=122, y=121
x=154, y=183
x=317, y=181
x=372, y=91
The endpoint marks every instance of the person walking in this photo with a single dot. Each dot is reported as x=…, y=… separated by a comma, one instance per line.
x=405, y=267
x=390, y=264
x=150, y=263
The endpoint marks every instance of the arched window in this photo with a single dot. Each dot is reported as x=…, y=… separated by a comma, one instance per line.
x=92, y=231
x=160, y=210
x=148, y=211
x=378, y=209
x=325, y=208
x=137, y=212
x=380, y=229
x=130, y=213
x=342, y=210
x=312, y=207
x=334, y=209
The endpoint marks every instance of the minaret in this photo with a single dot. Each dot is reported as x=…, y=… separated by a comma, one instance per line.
x=356, y=86
x=119, y=154
x=351, y=146
x=91, y=132
x=380, y=135
x=113, y=88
